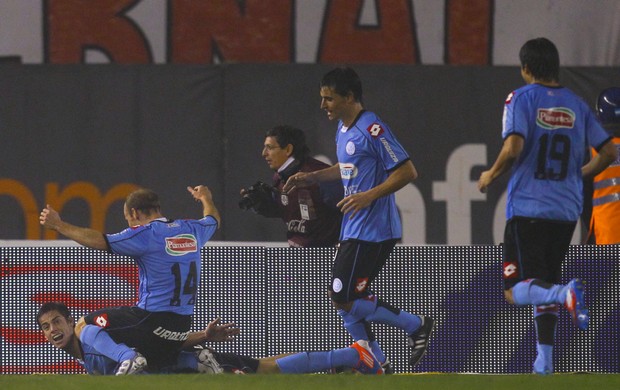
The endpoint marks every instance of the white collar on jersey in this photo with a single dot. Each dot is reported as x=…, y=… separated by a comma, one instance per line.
x=288, y=162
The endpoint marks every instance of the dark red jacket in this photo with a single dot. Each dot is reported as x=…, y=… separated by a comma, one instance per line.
x=310, y=213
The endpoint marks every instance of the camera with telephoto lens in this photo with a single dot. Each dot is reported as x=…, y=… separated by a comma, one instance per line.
x=256, y=196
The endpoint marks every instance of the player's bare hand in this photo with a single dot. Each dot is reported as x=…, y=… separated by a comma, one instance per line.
x=485, y=180
x=200, y=192
x=354, y=203
x=298, y=180
x=49, y=218
x=216, y=331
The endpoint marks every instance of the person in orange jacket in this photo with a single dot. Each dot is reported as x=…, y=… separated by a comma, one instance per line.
x=605, y=220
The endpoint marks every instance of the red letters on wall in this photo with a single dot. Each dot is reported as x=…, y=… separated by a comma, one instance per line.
x=260, y=31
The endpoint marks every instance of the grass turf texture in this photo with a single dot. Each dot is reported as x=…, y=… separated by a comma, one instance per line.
x=313, y=382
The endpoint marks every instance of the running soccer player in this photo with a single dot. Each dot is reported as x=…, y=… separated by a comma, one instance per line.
x=546, y=131
x=372, y=166
x=167, y=253
x=58, y=327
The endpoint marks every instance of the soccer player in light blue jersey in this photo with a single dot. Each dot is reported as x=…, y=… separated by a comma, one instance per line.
x=167, y=253
x=546, y=132
x=58, y=327
x=372, y=166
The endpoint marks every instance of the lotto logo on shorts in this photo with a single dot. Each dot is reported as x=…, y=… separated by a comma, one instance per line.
x=361, y=284
x=102, y=320
x=510, y=270
x=375, y=130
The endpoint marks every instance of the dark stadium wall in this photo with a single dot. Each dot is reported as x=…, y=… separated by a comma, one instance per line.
x=80, y=138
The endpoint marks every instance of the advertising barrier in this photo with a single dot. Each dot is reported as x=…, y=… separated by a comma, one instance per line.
x=277, y=296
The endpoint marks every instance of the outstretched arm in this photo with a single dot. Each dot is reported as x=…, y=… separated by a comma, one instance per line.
x=50, y=219
x=215, y=332
x=304, y=179
x=399, y=178
x=203, y=195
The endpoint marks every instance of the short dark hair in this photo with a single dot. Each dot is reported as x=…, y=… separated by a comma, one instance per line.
x=289, y=135
x=343, y=81
x=541, y=58
x=52, y=306
x=144, y=200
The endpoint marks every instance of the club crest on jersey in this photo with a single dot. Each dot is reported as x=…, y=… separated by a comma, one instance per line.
x=337, y=285
x=510, y=270
x=375, y=130
x=181, y=244
x=348, y=171
x=350, y=148
x=555, y=118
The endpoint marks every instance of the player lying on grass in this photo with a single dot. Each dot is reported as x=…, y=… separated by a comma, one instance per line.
x=58, y=327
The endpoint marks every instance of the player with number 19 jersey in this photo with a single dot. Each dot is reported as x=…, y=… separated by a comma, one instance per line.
x=168, y=257
x=367, y=152
x=546, y=182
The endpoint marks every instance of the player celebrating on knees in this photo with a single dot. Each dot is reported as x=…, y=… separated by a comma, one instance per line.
x=167, y=254
x=372, y=166
x=546, y=129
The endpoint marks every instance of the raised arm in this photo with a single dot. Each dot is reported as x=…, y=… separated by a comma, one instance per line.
x=50, y=219
x=203, y=195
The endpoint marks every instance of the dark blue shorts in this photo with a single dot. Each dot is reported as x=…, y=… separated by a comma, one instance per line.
x=356, y=265
x=535, y=249
x=158, y=336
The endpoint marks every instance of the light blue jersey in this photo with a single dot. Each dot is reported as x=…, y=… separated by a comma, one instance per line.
x=168, y=257
x=97, y=364
x=367, y=152
x=557, y=126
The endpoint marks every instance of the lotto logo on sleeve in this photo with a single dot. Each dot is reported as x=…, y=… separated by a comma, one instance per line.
x=510, y=270
x=375, y=130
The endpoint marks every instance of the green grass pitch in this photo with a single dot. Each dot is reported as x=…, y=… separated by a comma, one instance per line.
x=313, y=382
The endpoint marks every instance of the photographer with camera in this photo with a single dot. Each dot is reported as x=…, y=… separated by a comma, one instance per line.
x=310, y=213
